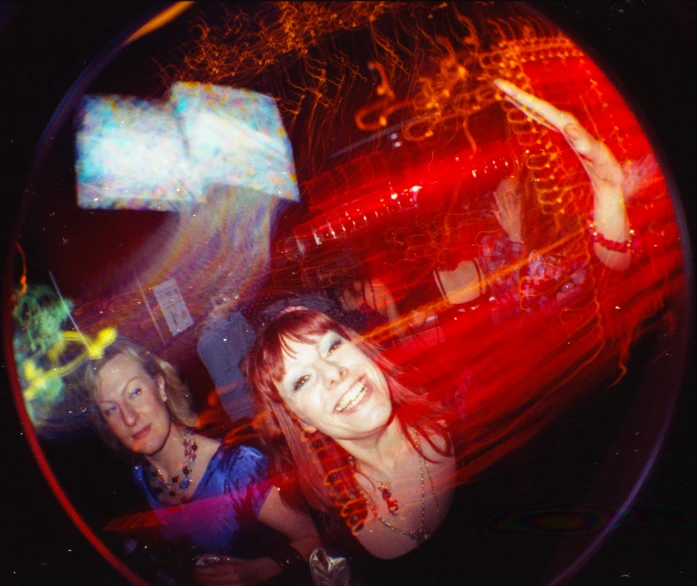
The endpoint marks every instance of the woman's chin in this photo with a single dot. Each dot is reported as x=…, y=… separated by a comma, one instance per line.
x=147, y=447
x=372, y=419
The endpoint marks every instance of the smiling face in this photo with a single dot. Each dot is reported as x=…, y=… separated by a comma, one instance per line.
x=133, y=405
x=332, y=386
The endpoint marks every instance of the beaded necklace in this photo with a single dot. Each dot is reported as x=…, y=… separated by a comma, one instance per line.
x=176, y=488
x=419, y=535
x=385, y=487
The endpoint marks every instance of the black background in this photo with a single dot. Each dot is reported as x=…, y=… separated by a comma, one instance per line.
x=651, y=47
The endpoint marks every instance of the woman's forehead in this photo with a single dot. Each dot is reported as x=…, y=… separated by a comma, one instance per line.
x=116, y=372
x=293, y=349
x=291, y=346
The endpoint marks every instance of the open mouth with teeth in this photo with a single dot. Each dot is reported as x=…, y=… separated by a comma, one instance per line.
x=352, y=397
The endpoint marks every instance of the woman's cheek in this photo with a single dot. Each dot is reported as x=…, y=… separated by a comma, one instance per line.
x=297, y=407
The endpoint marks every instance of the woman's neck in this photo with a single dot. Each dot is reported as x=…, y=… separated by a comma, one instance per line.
x=169, y=459
x=377, y=456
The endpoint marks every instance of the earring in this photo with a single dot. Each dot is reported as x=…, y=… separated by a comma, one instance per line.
x=307, y=433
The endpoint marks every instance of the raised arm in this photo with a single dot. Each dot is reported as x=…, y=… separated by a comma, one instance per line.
x=469, y=280
x=507, y=208
x=608, y=224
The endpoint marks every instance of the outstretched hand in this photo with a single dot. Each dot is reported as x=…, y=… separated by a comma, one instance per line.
x=600, y=164
x=507, y=208
x=611, y=230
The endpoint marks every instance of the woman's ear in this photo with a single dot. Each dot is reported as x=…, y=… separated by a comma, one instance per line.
x=160, y=380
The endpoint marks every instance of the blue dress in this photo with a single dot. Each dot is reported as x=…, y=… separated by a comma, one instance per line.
x=221, y=517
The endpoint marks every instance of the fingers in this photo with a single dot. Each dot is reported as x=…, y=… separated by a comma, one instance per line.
x=506, y=202
x=596, y=157
x=558, y=119
x=584, y=143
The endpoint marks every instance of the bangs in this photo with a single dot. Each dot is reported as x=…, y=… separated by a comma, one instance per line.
x=301, y=326
x=303, y=337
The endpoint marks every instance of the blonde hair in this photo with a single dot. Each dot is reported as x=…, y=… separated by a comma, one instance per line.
x=178, y=396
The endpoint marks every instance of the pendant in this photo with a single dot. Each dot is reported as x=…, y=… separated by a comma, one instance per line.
x=390, y=501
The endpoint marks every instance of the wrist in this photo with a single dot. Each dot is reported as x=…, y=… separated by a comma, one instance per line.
x=288, y=559
x=599, y=238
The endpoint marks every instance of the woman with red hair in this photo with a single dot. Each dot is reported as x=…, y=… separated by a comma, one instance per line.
x=366, y=452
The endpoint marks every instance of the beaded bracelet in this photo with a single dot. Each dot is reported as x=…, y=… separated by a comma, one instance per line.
x=613, y=245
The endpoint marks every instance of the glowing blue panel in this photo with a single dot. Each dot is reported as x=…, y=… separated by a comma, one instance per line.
x=139, y=154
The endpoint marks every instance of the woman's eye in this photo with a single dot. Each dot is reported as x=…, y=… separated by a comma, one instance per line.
x=136, y=392
x=108, y=411
x=300, y=383
x=334, y=345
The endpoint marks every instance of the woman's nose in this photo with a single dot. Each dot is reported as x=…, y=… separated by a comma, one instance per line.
x=129, y=415
x=334, y=373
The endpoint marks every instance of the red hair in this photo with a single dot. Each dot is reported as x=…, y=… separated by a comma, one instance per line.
x=314, y=463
